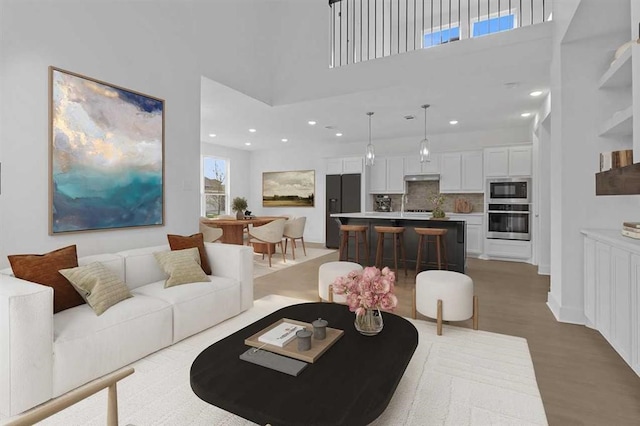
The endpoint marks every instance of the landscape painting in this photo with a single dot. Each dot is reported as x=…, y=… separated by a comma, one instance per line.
x=106, y=155
x=288, y=189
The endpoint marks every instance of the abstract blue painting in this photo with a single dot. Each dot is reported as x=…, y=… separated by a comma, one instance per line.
x=106, y=155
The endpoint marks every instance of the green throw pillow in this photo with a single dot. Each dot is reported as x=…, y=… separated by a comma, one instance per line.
x=100, y=287
x=182, y=266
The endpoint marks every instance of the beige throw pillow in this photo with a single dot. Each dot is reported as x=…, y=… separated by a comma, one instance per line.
x=100, y=287
x=182, y=266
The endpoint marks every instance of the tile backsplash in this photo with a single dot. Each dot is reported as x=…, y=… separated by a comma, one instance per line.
x=419, y=194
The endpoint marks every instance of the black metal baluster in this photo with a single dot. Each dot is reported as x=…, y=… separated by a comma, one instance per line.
x=431, y=28
x=414, y=24
x=346, y=33
x=499, y=23
x=422, y=27
x=449, y=21
x=543, y=14
x=375, y=29
x=531, y=1
x=406, y=24
x=340, y=16
x=333, y=36
x=353, y=31
x=440, y=21
x=398, y=36
x=520, y=13
x=360, y=30
x=368, y=29
x=383, y=28
x=459, y=23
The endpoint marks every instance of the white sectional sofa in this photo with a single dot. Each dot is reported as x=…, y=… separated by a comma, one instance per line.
x=43, y=355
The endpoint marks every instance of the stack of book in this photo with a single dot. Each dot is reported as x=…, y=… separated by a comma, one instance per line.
x=631, y=229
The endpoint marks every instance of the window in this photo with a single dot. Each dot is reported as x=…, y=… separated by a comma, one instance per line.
x=442, y=36
x=215, y=184
x=493, y=25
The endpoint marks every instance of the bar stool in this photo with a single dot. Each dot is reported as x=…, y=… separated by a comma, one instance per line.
x=345, y=231
x=439, y=241
x=398, y=239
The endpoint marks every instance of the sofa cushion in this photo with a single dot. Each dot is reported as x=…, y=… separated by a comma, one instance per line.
x=182, y=266
x=141, y=267
x=43, y=269
x=179, y=242
x=100, y=287
x=198, y=305
x=87, y=346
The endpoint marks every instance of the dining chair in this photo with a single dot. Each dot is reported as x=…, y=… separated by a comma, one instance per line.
x=210, y=233
x=294, y=230
x=270, y=234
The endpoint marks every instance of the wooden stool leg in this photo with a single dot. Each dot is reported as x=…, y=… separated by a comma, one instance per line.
x=439, y=319
x=304, y=249
x=331, y=293
x=419, y=255
x=269, y=253
x=379, y=249
x=357, y=248
x=438, y=242
x=284, y=259
x=475, y=312
x=344, y=242
x=395, y=252
x=444, y=249
x=413, y=308
x=366, y=247
x=404, y=254
x=293, y=247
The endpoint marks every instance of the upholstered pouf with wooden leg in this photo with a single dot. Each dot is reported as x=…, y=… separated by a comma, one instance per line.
x=327, y=274
x=445, y=296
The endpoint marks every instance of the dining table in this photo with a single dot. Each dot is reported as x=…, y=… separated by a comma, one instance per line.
x=232, y=229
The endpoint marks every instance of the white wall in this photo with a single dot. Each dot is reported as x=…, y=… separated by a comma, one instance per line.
x=157, y=48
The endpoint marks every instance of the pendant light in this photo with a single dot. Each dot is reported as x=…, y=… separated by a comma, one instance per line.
x=370, y=153
x=425, y=146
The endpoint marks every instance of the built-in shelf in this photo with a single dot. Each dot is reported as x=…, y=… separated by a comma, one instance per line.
x=621, y=124
x=620, y=181
x=619, y=73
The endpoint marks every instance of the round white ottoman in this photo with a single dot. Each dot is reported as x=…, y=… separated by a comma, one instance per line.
x=445, y=296
x=328, y=273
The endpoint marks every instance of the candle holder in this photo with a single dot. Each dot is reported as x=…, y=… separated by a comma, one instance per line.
x=319, y=329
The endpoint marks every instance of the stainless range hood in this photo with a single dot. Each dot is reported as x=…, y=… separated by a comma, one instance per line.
x=422, y=178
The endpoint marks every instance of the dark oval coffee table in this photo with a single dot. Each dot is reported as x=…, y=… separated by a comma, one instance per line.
x=351, y=384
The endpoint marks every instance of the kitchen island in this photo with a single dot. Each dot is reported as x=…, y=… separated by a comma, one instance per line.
x=455, y=238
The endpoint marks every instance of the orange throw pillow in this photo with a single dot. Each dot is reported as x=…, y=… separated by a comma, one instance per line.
x=179, y=242
x=43, y=269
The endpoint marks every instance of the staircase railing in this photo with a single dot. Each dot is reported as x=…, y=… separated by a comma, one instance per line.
x=361, y=30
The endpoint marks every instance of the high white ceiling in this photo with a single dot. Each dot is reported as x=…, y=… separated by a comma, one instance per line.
x=492, y=94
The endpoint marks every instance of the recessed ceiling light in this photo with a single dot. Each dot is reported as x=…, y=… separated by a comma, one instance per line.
x=247, y=143
x=338, y=134
x=284, y=140
x=252, y=130
x=212, y=135
x=453, y=122
x=536, y=93
x=313, y=123
x=525, y=114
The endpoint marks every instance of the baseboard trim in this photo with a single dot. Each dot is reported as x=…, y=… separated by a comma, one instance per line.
x=564, y=314
x=544, y=269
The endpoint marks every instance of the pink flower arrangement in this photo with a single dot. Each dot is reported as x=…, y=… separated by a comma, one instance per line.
x=370, y=288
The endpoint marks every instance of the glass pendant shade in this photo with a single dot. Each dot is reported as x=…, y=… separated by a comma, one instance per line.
x=425, y=146
x=425, y=151
x=370, y=153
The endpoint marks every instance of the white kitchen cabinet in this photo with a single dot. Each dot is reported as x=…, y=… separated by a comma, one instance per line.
x=590, y=282
x=413, y=166
x=386, y=176
x=507, y=249
x=475, y=239
x=461, y=172
x=507, y=161
x=340, y=166
x=635, y=315
x=612, y=291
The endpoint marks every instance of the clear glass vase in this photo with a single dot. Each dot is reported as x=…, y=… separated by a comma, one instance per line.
x=370, y=323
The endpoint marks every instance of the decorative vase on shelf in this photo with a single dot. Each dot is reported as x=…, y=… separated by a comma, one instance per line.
x=239, y=215
x=370, y=323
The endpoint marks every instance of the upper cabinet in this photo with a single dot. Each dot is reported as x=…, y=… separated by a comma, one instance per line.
x=342, y=166
x=461, y=172
x=413, y=166
x=507, y=161
x=387, y=176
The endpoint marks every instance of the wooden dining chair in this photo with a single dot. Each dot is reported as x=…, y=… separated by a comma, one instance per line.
x=210, y=233
x=270, y=234
x=294, y=230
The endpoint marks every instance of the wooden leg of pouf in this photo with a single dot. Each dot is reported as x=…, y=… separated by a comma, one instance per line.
x=413, y=308
x=331, y=293
x=439, y=319
x=112, y=406
x=475, y=312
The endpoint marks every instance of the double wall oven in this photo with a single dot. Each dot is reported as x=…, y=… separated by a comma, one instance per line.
x=508, y=209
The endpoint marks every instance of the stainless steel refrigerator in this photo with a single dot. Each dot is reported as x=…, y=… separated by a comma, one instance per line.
x=343, y=196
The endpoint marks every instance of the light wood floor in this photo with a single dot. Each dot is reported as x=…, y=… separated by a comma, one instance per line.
x=582, y=380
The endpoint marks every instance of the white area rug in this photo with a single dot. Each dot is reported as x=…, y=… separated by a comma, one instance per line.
x=464, y=377
x=261, y=267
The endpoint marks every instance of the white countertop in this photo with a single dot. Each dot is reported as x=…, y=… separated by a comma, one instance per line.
x=613, y=237
x=405, y=215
